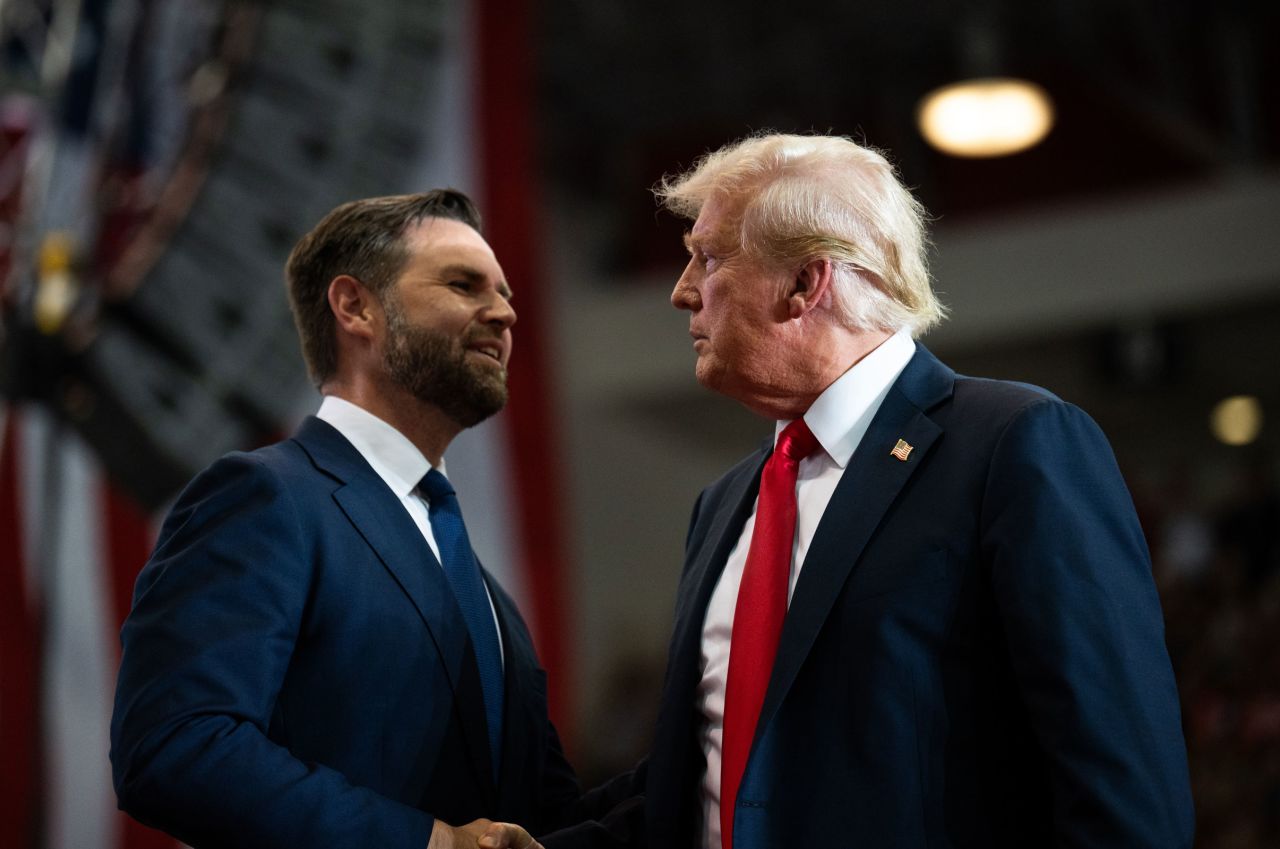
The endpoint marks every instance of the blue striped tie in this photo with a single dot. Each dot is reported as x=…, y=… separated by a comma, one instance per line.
x=463, y=574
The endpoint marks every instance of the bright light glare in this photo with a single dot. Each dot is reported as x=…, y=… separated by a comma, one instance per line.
x=996, y=116
x=1236, y=420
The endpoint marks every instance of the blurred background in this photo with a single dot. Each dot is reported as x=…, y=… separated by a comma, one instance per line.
x=158, y=159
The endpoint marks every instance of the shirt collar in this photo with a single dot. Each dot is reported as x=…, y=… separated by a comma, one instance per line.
x=396, y=460
x=840, y=416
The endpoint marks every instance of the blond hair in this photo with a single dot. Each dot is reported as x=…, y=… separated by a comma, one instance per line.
x=812, y=197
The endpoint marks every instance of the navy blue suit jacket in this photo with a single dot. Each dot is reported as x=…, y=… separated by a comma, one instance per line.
x=296, y=671
x=973, y=655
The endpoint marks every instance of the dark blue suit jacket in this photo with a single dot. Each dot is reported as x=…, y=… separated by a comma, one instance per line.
x=297, y=673
x=973, y=655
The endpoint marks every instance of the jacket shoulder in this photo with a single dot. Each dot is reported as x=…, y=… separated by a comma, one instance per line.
x=1009, y=395
x=989, y=403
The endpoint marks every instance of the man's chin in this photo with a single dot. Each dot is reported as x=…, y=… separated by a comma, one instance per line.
x=486, y=398
x=491, y=382
x=708, y=375
x=474, y=394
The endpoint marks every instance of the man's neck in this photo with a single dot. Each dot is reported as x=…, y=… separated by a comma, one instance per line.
x=429, y=429
x=815, y=368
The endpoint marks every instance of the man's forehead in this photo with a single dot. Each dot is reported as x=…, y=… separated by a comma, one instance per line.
x=452, y=247
x=717, y=223
x=443, y=233
x=444, y=240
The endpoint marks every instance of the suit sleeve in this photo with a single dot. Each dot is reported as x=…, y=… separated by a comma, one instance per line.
x=217, y=612
x=1072, y=580
x=610, y=816
x=603, y=816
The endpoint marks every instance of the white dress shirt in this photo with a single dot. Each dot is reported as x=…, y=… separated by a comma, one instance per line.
x=839, y=418
x=397, y=461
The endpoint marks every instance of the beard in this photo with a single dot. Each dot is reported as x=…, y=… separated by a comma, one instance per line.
x=435, y=369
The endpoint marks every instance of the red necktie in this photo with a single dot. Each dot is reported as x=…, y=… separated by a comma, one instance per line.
x=762, y=605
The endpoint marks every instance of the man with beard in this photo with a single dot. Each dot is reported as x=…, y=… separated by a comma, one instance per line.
x=314, y=657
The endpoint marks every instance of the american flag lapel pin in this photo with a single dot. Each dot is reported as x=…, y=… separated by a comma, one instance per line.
x=902, y=450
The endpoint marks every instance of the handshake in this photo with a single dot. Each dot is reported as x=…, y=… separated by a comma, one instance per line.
x=482, y=833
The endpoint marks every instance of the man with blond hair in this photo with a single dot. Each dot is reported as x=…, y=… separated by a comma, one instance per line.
x=922, y=614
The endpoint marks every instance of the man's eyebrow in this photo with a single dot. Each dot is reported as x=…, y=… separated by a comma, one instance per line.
x=460, y=270
x=690, y=241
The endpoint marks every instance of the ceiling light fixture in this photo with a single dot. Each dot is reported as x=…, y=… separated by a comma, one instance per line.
x=1236, y=420
x=992, y=116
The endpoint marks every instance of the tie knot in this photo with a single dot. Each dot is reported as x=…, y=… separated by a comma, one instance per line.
x=796, y=441
x=435, y=485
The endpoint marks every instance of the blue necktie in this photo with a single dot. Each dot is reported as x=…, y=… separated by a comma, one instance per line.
x=463, y=574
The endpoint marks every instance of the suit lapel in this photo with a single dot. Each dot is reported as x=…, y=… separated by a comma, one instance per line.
x=865, y=493
x=379, y=517
x=674, y=774
x=712, y=554
x=524, y=708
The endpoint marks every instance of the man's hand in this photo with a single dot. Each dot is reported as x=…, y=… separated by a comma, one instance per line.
x=482, y=833
x=506, y=835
